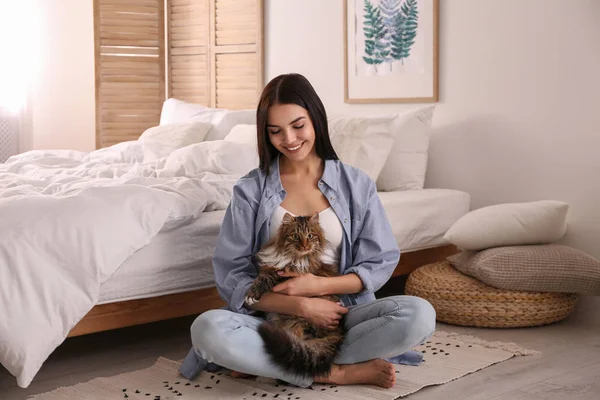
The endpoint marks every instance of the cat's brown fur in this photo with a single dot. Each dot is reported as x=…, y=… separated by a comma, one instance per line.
x=293, y=342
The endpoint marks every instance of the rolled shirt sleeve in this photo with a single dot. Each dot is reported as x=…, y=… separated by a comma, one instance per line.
x=375, y=251
x=232, y=259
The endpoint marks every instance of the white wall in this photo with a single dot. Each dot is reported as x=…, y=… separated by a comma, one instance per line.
x=62, y=102
x=519, y=111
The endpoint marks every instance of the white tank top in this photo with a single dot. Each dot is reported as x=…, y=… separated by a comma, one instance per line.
x=330, y=224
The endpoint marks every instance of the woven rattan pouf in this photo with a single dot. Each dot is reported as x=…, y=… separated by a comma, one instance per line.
x=461, y=300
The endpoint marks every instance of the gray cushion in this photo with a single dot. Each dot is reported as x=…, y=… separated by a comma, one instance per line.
x=538, y=268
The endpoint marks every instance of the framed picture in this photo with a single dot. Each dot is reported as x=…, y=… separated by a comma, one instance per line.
x=391, y=51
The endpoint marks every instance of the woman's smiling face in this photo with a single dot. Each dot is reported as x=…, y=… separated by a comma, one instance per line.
x=291, y=131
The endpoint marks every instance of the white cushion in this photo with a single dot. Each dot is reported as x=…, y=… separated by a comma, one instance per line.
x=224, y=122
x=243, y=133
x=216, y=156
x=362, y=142
x=406, y=165
x=175, y=110
x=510, y=224
x=177, y=135
x=221, y=119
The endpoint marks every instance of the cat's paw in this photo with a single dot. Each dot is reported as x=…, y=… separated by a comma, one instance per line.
x=251, y=300
x=253, y=295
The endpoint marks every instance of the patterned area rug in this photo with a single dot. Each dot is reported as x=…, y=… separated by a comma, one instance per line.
x=446, y=357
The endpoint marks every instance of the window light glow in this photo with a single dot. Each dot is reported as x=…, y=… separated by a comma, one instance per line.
x=19, y=50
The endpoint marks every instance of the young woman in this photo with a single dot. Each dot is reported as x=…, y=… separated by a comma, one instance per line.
x=300, y=173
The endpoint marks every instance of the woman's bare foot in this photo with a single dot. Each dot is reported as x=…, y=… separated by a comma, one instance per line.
x=241, y=375
x=375, y=372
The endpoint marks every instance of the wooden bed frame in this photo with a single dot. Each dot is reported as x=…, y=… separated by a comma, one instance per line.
x=106, y=317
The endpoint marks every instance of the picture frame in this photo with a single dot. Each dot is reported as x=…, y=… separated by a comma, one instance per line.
x=391, y=51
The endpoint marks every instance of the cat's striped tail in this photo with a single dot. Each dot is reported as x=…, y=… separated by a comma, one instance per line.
x=312, y=357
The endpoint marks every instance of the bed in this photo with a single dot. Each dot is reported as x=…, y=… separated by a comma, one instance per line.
x=124, y=235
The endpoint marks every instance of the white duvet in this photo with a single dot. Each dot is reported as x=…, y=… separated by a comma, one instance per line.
x=69, y=219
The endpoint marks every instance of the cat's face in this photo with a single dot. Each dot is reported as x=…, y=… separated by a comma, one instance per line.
x=302, y=235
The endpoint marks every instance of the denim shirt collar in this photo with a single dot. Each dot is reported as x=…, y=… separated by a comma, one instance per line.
x=330, y=177
x=273, y=180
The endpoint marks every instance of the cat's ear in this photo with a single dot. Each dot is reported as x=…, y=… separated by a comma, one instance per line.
x=315, y=218
x=287, y=218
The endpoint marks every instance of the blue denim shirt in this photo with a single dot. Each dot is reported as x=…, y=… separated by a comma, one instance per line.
x=369, y=248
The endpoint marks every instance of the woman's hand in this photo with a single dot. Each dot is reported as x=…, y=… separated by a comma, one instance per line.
x=307, y=285
x=322, y=313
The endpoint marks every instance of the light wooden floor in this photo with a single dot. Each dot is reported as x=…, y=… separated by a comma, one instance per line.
x=569, y=368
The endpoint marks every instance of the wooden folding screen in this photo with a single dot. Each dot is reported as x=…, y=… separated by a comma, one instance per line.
x=130, y=68
x=189, y=35
x=213, y=51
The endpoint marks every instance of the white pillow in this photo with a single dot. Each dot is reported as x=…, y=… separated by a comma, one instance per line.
x=175, y=110
x=216, y=156
x=224, y=122
x=510, y=224
x=177, y=135
x=406, y=165
x=243, y=133
x=362, y=142
x=221, y=119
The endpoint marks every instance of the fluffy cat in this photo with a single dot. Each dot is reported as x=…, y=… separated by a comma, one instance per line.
x=293, y=342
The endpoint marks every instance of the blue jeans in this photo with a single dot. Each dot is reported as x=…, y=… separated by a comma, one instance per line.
x=383, y=328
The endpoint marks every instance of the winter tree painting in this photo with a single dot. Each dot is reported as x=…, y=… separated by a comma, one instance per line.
x=389, y=31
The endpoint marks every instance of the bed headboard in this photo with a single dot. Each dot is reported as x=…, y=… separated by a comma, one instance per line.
x=208, y=52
